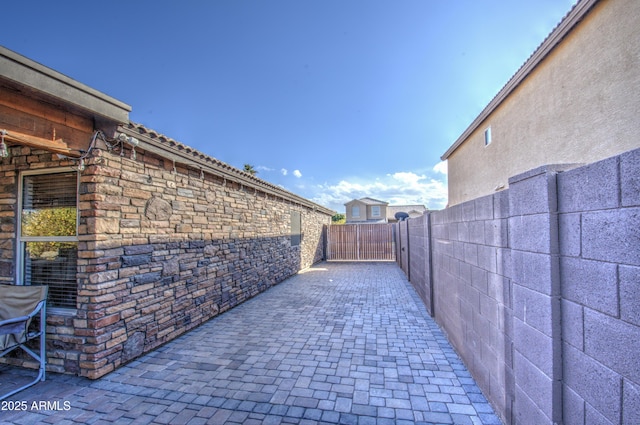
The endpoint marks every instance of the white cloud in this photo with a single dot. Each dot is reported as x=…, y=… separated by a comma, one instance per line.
x=297, y=173
x=263, y=168
x=284, y=171
x=441, y=167
x=400, y=188
x=410, y=179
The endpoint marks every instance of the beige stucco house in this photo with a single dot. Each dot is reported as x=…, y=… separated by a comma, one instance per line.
x=370, y=210
x=575, y=100
x=366, y=210
x=413, y=211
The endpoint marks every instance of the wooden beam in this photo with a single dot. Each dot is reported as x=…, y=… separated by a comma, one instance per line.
x=55, y=146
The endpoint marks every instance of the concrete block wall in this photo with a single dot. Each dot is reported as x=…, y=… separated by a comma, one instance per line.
x=403, y=246
x=533, y=245
x=537, y=288
x=472, y=288
x=419, y=269
x=599, y=217
x=413, y=246
x=466, y=286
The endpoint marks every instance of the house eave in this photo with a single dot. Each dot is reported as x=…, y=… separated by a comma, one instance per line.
x=23, y=72
x=575, y=15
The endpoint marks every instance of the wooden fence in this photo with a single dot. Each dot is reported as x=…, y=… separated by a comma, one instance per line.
x=361, y=242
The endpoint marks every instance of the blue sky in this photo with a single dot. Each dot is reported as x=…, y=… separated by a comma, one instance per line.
x=332, y=100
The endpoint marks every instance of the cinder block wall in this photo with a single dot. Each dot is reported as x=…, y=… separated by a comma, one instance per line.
x=419, y=269
x=599, y=228
x=472, y=290
x=538, y=289
x=535, y=297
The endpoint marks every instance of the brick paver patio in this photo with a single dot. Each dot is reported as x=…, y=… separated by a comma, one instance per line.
x=340, y=343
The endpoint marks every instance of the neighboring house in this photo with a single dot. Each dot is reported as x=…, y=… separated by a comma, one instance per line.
x=575, y=100
x=366, y=210
x=139, y=237
x=370, y=210
x=412, y=210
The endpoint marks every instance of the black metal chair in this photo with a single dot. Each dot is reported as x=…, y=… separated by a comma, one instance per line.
x=18, y=306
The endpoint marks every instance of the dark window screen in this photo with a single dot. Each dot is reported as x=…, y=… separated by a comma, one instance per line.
x=296, y=228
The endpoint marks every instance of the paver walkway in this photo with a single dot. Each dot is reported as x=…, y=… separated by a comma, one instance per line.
x=338, y=343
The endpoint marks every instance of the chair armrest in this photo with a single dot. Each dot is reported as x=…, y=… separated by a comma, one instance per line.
x=13, y=325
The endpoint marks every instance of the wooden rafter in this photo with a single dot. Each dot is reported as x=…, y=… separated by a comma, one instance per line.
x=56, y=146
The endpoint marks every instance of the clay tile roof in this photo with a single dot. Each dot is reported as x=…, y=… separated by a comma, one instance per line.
x=167, y=147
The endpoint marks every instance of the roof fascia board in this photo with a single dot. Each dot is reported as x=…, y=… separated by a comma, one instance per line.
x=25, y=72
x=371, y=201
x=56, y=146
x=564, y=27
x=208, y=164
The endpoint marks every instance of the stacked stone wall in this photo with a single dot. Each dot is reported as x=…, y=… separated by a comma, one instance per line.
x=62, y=341
x=161, y=250
x=171, y=249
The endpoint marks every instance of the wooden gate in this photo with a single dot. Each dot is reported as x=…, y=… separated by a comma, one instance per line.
x=361, y=242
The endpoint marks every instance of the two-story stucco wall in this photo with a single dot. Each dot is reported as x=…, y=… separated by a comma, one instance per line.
x=367, y=211
x=579, y=105
x=361, y=208
x=381, y=213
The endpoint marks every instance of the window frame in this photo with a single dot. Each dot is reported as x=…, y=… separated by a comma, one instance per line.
x=487, y=136
x=296, y=228
x=376, y=211
x=21, y=240
x=354, y=209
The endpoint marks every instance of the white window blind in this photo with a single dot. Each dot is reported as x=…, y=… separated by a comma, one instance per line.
x=48, y=235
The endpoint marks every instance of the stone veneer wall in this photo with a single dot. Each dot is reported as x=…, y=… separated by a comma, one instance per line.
x=63, y=344
x=537, y=288
x=160, y=252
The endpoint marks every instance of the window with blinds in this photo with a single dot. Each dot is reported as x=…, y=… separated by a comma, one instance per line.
x=296, y=228
x=48, y=234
